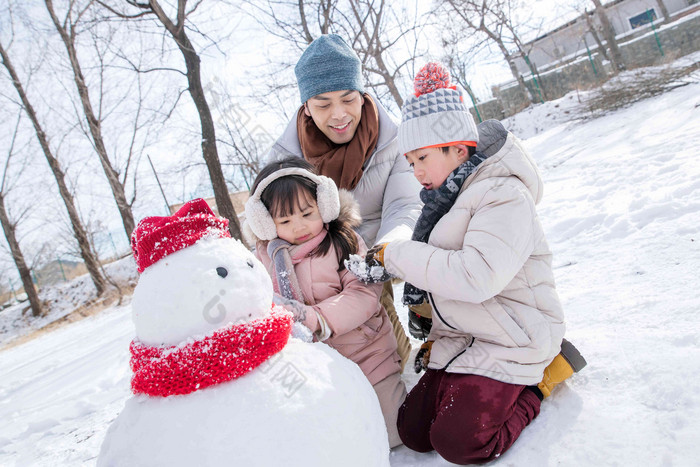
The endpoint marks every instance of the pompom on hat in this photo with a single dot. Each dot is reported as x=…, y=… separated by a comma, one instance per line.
x=258, y=217
x=431, y=77
x=436, y=115
x=156, y=237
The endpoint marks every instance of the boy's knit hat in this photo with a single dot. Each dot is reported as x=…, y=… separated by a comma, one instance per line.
x=436, y=115
x=328, y=64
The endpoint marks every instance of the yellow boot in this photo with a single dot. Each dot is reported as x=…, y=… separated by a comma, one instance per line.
x=565, y=364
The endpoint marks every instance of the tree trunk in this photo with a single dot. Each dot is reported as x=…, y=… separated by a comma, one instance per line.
x=609, y=35
x=513, y=69
x=521, y=81
x=596, y=37
x=511, y=62
x=94, y=124
x=24, y=272
x=304, y=24
x=664, y=11
x=81, y=236
x=209, y=150
x=388, y=79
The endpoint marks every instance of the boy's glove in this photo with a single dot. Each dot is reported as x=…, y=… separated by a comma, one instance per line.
x=376, y=254
x=423, y=357
x=369, y=270
x=298, y=309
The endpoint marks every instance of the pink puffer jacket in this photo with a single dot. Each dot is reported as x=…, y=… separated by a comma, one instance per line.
x=361, y=330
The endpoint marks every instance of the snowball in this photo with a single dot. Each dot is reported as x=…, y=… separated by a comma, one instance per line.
x=368, y=274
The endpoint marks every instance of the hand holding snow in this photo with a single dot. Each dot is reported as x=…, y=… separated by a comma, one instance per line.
x=369, y=273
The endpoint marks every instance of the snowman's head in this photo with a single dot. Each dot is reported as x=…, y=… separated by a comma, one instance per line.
x=210, y=282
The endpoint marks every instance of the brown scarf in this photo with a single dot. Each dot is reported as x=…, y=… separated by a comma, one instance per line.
x=341, y=162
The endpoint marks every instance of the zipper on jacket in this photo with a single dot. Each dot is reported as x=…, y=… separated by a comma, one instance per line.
x=457, y=356
x=431, y=300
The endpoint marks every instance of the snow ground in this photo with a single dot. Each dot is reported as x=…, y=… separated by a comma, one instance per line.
x=621, y=211
x=62, y=299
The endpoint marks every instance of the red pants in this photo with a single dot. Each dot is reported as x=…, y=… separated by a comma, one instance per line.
x=467, y=419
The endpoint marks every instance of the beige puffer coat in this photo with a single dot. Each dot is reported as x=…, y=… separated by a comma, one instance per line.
x=487, y=268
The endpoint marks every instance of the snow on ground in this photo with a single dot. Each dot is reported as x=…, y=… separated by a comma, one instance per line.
x=61, y=299
x=621, y=210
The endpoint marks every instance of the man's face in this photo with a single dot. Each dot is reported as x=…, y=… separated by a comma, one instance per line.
x=336, y=114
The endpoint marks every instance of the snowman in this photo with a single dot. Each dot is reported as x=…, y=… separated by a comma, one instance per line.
x=217, y=379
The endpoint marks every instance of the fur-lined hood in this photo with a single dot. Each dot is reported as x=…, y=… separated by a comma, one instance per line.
x=349, y=215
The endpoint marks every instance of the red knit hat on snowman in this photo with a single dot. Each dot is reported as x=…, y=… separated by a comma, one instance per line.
x=156, y=237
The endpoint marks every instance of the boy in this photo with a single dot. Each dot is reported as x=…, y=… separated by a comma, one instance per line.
x=479, y=257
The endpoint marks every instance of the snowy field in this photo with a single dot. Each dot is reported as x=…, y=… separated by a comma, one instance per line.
x=622, y=214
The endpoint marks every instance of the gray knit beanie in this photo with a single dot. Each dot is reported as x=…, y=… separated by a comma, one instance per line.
x=436, y=114
x=328, y=64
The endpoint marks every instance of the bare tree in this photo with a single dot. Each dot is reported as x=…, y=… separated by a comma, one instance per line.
x=91, y=262
x=460, y=62
x=493, y=19
x=609, y=35
x=67, y=30
x=595, y=33
x=178, y=30
x=9, y=228
x=298, y=22
x=373, y=45
x=375, y=29
x=244, y=143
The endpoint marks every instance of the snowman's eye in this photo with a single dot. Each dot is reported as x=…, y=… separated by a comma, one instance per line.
x=249, y=262
x=223, y=272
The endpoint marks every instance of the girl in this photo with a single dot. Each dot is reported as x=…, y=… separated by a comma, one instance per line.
x=304, y=230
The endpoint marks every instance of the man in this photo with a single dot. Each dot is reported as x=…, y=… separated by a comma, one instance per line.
x=350, y=138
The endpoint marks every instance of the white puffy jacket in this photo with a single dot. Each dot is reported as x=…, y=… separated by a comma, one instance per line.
x=387, y=192
x=487, y=268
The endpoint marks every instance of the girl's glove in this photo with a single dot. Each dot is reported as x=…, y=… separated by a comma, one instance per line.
x=369, y=270
x=298, y=309
x=423, y=357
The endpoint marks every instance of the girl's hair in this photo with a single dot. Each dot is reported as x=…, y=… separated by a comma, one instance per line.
x=287, y=194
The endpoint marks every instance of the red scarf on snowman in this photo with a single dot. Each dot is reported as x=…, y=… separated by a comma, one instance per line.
x=226, y=354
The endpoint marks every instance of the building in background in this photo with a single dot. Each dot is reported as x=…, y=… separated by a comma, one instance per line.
x=571, y=40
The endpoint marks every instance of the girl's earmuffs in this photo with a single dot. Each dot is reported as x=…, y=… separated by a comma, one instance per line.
x=259, y=218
